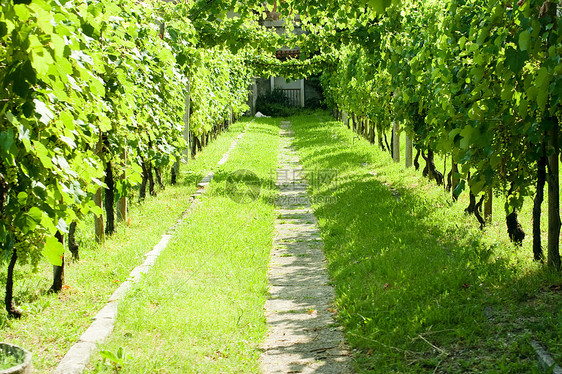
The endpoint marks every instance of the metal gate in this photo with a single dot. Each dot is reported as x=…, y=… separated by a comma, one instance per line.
x=294, y=96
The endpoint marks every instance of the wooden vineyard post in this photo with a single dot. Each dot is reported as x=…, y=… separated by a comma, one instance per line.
x=98, y=198
x=454, y=178
x=301, y=104
x=409, y=147
x=488, y=205
x=254, y=96
x=553, y=259
x=98, y=219
x=122, y=204
x=345, y=118
x=396, y=142
x=186, y=120
x=58, y=271
x=553, y=177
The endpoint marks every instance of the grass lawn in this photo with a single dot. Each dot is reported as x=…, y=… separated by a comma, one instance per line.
x=200, y=309
x=419, y=287
x=52, y=323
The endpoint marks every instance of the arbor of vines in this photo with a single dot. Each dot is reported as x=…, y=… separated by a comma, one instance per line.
x=93, y=107
x=95, y=97
x=478, y=82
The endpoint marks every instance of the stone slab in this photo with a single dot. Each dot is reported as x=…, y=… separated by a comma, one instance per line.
x=108, y=311
x=303, y=336
x=76, y=359
x=98, y=331
x=546, y=362
x=120, y=291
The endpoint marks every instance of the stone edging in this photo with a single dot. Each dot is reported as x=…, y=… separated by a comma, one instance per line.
x=546, y=362
x=78, y=356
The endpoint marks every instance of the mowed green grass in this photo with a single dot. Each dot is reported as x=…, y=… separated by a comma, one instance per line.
x=496, y=228
x=52, y=323
x=200, y=309
x=419, y=287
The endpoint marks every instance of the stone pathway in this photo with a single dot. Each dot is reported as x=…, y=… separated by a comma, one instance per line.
x=302, y=334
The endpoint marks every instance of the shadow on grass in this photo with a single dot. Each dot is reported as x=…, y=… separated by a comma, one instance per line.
x=192, y=178
x=266, y=130
x=266, y=191
x=415, y=284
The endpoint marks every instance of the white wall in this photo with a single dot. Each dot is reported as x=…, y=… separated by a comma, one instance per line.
x=280, y=82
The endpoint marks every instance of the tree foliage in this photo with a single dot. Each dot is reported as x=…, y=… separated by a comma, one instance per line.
x=76, y=73
x=476, y=80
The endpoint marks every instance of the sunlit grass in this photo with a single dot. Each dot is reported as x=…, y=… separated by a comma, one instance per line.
x=419, y=286
x=52, y=323
x=200, y=310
